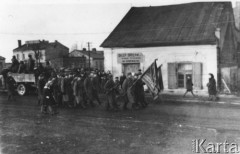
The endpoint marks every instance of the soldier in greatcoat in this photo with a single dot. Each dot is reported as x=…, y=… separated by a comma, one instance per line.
x=127, y=91
x=78, y=91
x=96, y=87
x=40, y=85
x=139, y=92
x=88, y=87
x=110, y=89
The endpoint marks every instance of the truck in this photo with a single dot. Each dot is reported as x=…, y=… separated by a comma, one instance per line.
x=25, y=82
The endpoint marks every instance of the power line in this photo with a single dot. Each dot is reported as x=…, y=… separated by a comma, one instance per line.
x=124, y=31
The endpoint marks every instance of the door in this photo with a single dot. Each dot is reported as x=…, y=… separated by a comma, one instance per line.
x=172, y=75
x=197, y=75
x=131, y=68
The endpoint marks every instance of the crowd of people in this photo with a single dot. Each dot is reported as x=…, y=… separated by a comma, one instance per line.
x=81, y=88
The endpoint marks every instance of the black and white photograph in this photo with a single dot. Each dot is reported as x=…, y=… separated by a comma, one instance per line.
x=119, y=76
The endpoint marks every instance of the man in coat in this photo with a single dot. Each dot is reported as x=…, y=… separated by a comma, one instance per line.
x=40, y=85
x=88, y=87
x=110, y=89
x=30, y=64
x=96, y=87
x=127, y=91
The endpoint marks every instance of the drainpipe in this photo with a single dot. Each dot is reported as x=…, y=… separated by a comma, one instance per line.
x=219, y=75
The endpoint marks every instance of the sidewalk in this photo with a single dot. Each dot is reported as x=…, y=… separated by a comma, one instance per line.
x=201, y=97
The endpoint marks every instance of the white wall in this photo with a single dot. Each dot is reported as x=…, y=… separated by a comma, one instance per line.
x=26, y=53
x=206, y=54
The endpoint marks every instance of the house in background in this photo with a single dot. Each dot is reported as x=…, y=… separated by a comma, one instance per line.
x=192, y=39
x=68, y=62
x=96, y=57
x=2, y=63
x=47, y=50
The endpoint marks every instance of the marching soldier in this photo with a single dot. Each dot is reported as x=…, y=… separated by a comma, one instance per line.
x=40, y=85
x=78, y=91
x=139, y=92
x=96, y=87
x=88, y=87
x=127, y=91
x=110, y=89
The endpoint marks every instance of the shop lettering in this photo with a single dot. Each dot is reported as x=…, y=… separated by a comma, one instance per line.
x=130, y=58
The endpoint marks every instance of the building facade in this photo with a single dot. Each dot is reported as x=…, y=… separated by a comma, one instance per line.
x=192, y=39
x=46, y=50
x=68, y=62
x=2, y=63
x=96, y=57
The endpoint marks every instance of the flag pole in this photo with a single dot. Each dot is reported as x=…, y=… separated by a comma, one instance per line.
x=142, y=74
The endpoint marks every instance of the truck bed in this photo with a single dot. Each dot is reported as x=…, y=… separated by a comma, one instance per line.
x=23, y=77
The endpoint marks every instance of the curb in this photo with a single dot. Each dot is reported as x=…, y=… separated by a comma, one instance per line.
x=201, y=101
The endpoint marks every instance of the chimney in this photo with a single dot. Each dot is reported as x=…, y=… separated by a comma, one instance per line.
x=19, y=43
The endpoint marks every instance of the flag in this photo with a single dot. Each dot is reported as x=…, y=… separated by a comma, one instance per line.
x=160, y=79
x=150, y=78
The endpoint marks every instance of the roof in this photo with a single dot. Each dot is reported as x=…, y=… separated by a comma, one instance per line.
x=184, y=24
x=93, y=54
x=2, y=58
x=40, y=46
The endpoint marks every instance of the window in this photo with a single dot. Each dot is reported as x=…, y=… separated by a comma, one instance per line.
x=23, y=55
x=17, y=56
x=180, y=80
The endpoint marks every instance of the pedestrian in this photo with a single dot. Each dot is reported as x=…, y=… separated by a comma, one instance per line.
x=212, y=89
x=127, y=91
x=40, y=85
x=10, y=86
x=189, y=86
x=49, y=105
x=110, y=89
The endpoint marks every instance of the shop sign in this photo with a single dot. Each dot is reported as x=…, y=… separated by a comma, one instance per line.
x=130, y=58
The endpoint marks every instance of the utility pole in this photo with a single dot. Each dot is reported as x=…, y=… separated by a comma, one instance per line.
x=89, y=55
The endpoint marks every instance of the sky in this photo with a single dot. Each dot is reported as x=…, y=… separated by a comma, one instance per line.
x=71, y=22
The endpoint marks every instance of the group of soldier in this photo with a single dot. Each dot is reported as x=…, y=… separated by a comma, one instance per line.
x=81, y=88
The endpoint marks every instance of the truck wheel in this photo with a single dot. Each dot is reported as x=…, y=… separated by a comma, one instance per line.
x=21, y=89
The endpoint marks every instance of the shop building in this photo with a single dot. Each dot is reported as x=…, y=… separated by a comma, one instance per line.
x=192, y=39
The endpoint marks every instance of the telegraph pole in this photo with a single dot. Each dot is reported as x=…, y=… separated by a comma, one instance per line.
x=88, y=43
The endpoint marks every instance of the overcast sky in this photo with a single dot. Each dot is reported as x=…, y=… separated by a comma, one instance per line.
x=68, y=21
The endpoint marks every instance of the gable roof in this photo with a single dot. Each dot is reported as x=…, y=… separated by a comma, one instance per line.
x=2, y=58
x=184, y=24
x=40, y=46
x=93, y=54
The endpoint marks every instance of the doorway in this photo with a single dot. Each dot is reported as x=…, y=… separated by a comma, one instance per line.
x=133, y=67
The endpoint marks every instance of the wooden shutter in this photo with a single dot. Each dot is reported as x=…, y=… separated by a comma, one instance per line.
x=172, y=76
x=197, y=75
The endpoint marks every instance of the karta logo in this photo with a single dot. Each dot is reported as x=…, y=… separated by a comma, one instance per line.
x=202, y=146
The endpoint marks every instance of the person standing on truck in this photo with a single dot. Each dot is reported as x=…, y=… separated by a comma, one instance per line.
x=15, y=64
x=30, y=64
x=10, y=86
x=22, y=67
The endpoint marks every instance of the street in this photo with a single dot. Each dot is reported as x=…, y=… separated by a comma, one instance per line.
x=162, y=128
